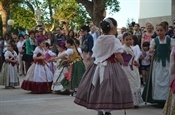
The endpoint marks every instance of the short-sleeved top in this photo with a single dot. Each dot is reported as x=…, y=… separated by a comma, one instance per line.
x=10, y=55
x=72, y=54
x=146, y=60
x=30, y=46
x=38, y=52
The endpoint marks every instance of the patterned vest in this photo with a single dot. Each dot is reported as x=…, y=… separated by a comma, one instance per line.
x=75, y=56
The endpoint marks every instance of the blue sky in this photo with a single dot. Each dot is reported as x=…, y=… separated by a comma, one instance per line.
x=128, y=9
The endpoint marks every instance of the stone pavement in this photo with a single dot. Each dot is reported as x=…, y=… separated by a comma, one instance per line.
x=20, y=102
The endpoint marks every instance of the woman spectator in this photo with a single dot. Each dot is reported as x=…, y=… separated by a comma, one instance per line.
x=30, y=46
x=71, y=34
x=147, y=36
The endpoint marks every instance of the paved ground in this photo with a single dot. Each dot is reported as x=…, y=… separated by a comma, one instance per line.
x=20, y=102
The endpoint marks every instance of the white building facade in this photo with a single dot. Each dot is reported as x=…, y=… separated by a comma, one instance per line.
x=156, y=11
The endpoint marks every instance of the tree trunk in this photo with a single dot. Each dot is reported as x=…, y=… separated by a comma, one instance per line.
x=98, y=11
x=51, y=15
x=5, y=14
x=4, y=18
x=95, y=8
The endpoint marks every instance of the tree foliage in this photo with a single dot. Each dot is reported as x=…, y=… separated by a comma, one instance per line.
x=24, y=18
x=97, y=8
x=112, y=5
x=54, y=11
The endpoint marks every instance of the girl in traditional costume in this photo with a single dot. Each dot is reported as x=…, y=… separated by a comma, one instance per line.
x=62, y=67
x=76, y=69
x=130, y=69
x=39, y=77
x=9, y=75
x=157, y=86
x=104, y=86
x=49, y=56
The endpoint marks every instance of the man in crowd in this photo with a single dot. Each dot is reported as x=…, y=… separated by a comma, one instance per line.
x=87, y=44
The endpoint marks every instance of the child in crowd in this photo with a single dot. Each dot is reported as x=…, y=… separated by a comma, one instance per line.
x=9, y=76
x=49, y=56
x=39, y=76
x=129, y=67
x=145, y=61
x=62, y=67
x=76, y=69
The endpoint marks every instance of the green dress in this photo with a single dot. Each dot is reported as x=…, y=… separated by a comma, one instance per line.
x=155, y=81
x=77, y=70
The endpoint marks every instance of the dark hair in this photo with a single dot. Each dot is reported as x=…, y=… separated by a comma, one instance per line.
x=145, y=44
x=12, y=43
x=171, y=27
x=20, y=35
x=85, y=28
x=47, y=45
x=135, y=39
x=170, y=32
x=137, y=24
x=31, y=32
x=164, y=25
x=70, y=41
x=126, y=34
x=132, y=24
x=105, y=26
x=69, y=33
x=6, y=35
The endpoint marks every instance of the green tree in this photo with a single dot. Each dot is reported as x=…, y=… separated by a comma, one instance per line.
x=129, y=24
x=5, y=12
x=23, y=17
x=97, y=8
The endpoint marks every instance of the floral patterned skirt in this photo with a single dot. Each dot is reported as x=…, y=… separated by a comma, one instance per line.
x=169, y=108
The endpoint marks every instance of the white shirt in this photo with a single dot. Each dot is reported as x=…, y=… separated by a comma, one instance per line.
x=20, y=44
x=146, y=61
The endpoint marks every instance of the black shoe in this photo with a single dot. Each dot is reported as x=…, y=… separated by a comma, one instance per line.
x=108, y=113
x=100, y=113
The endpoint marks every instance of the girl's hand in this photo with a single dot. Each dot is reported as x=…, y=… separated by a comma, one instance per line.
x=15, y=61
x=54, y=59
x=136, y=64
x=152, y=50
x=41, y=57
x=142, y=57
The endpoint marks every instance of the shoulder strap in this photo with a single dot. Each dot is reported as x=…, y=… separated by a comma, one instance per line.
x=157, y=41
